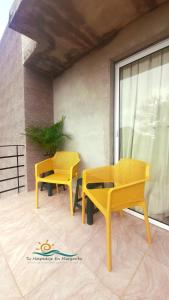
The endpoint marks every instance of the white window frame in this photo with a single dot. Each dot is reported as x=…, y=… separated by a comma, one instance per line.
x=161, y=45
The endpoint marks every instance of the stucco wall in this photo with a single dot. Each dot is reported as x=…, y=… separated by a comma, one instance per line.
x=11, y=89
x=84, y=93
x=12, y=119
x=38, y=98
x=26, y=99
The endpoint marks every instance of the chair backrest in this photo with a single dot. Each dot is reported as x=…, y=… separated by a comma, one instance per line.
x=130, y=170
x=99, y=174
x=64, y=160
x=130, y=176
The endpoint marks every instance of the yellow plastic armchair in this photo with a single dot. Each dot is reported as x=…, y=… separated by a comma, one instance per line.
x=129, y=177
x=65, y=167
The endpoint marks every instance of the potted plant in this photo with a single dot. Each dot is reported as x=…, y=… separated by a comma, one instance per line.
x=50, y=139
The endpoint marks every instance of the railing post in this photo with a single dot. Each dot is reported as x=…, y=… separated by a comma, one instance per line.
x=17, y=166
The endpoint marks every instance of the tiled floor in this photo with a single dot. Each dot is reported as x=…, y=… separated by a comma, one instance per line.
x=139, y=271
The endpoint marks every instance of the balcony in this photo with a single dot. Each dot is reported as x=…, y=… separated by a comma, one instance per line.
x=139, y=271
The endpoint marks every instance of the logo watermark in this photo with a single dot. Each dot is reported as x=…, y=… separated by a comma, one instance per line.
x=45, y=252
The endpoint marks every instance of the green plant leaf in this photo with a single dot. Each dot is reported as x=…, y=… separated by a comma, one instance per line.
x=51, y=138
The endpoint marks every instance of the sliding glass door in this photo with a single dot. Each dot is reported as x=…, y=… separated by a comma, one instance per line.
x=142, y=121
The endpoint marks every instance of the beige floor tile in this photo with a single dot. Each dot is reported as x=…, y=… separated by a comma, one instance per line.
x=19, y=244
x=125, y=260
x=159, y=249
x=57, y=200
x=93, y=252
x=22, y=227
x=151, y=282
x=132, y=230
x=126, y=229
x=76, y=234
x=93, y=292
x=10, y=298
x=8, y=287
x=71, y=281
x=56, y=208
x=71, y=230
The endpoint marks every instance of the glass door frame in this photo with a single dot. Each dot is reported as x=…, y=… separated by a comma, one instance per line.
x=156, y=47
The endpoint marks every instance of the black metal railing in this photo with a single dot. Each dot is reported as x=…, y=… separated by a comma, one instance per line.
x=16, y=166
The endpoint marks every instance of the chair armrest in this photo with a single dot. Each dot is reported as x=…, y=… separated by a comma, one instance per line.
x=74, y=170
x=128, y=193
x=43, y=166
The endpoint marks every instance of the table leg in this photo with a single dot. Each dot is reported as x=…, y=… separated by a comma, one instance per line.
x=41, y=186
x=49, y=189
x=90, y=208
x=76, y=197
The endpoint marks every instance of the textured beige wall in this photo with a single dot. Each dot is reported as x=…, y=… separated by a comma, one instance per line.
x=84, y=93
x=38, y=98
x=11, y=89
x=12, y=120
x=26, y=98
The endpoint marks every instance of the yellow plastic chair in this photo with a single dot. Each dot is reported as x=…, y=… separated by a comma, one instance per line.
x=129, y=177
x=65, y=167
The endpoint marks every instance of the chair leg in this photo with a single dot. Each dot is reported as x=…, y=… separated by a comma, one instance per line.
x=108, y=243
x=71, y=199
x=37, y=201
x=83, y=208
x=147, y=223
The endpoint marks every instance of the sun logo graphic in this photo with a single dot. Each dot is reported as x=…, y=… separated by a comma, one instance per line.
x=46, y=246
x=46, y=249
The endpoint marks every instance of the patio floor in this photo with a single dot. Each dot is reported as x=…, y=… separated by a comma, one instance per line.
x=139, y=271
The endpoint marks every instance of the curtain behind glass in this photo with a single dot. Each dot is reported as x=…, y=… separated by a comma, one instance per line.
x=144, y=122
